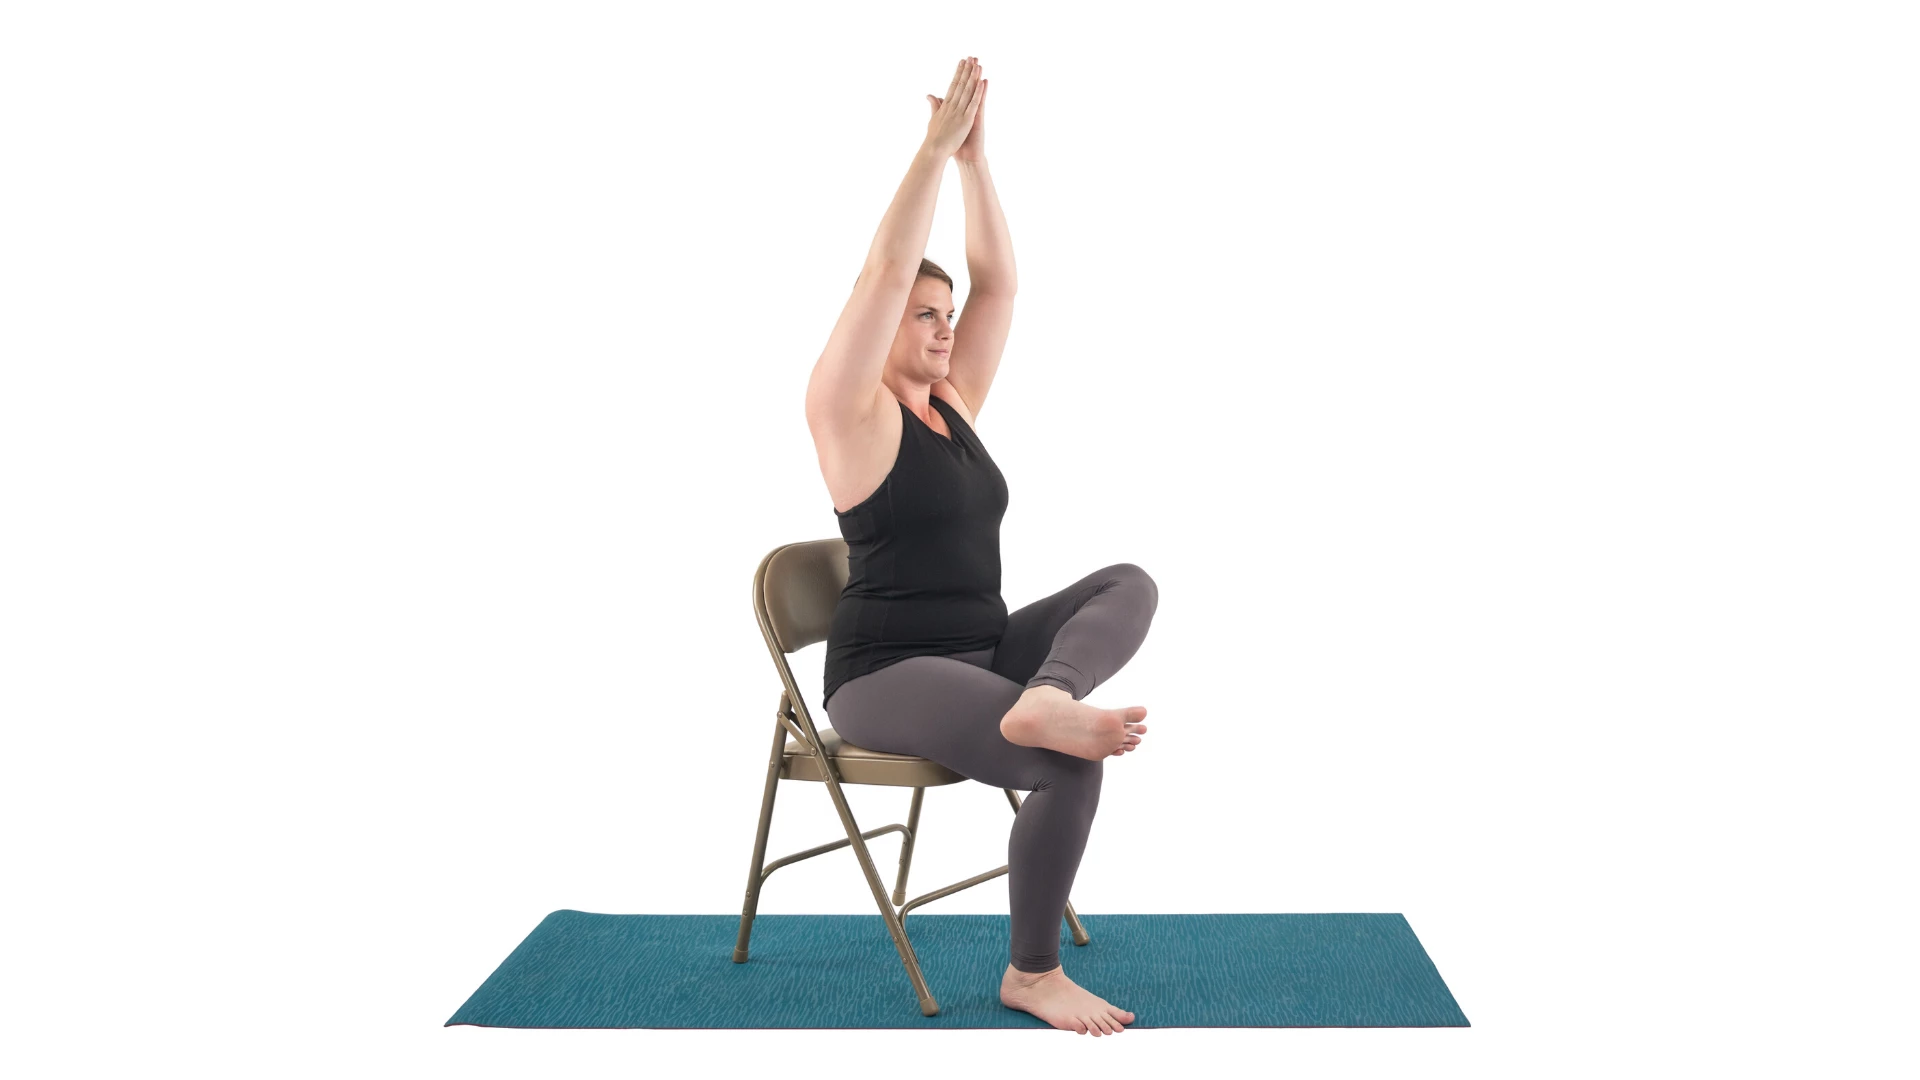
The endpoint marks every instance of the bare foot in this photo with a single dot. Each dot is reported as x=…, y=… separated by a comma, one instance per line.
x=1060, y=1001
x=1048, y=716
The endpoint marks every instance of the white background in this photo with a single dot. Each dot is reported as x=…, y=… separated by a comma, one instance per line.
x=1514, y=403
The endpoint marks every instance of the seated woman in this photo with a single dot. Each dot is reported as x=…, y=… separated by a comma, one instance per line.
x=922, y=655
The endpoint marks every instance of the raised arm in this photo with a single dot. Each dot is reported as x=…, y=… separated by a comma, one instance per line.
x=845, y=386
x=982, y=334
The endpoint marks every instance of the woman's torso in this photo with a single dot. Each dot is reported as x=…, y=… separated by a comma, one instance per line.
x=922, y=526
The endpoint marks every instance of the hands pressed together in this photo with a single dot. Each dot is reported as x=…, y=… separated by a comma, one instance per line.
x=958, y=126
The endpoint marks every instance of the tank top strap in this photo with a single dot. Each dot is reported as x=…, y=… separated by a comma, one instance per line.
x=955, y=424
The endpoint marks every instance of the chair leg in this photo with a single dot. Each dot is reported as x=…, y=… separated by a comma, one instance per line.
x=906, y=848
x=754, y=877
x=1080, y=935
x=756, y=873
x=928, y=1006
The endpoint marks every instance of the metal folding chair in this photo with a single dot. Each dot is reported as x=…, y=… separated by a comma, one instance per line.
x=795, y=589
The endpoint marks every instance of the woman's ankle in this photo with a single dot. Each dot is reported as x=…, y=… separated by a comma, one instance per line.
x=1030, y=976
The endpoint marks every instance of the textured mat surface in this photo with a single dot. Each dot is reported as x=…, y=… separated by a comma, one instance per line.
x=582, y=970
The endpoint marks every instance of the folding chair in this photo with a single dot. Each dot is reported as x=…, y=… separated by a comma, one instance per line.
x=795, y=589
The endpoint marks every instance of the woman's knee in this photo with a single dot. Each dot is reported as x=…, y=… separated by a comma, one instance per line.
x=1077, y=777
x=1134, y=574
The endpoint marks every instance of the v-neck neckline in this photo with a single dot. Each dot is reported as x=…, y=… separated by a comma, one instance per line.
x=943, y=415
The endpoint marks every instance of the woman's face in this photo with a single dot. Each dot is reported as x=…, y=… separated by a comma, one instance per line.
x=925, y=338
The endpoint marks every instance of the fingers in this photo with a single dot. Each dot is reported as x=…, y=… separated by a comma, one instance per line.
x=959, y=76
x=963, y=91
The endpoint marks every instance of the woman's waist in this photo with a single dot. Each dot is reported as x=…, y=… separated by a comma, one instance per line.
x=873, y=616
x=893, y=596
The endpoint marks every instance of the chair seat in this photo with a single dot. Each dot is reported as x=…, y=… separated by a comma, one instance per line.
x=859, y=765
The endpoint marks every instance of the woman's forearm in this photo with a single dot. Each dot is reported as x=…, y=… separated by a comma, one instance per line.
x=989, y=247
x=901, y=241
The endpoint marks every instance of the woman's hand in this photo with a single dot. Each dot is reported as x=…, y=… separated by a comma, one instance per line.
x=975, y=146
x=954, y=129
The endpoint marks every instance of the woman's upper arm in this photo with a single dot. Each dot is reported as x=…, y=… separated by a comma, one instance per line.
x=845, y=386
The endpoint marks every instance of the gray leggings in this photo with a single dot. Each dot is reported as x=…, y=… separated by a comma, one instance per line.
x=948, y=709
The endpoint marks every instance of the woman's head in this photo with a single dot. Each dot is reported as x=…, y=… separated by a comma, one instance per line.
x=924, y=340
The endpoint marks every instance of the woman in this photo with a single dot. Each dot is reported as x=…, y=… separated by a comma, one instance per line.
x=922, y=655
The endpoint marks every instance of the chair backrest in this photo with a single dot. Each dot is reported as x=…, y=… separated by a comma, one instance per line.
x=795, y=590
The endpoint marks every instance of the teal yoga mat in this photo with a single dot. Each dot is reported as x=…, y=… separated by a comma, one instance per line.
x=583, y=970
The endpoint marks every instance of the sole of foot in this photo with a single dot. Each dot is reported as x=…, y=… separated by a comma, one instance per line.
x=1060, y=1001
x=1047, y=716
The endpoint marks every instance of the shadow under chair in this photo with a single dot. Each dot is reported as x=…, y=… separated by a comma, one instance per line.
x=795, y=589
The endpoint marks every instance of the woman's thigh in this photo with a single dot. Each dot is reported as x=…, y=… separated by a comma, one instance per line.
x=1130, y=597
x=947, y=710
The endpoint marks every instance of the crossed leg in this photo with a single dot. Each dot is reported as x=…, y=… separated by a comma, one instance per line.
x=948, y=709
x=1079, y=637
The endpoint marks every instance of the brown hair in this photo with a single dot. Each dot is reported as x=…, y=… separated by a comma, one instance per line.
x=928, y=268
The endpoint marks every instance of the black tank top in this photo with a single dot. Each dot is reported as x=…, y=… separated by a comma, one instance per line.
x=923, y=555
